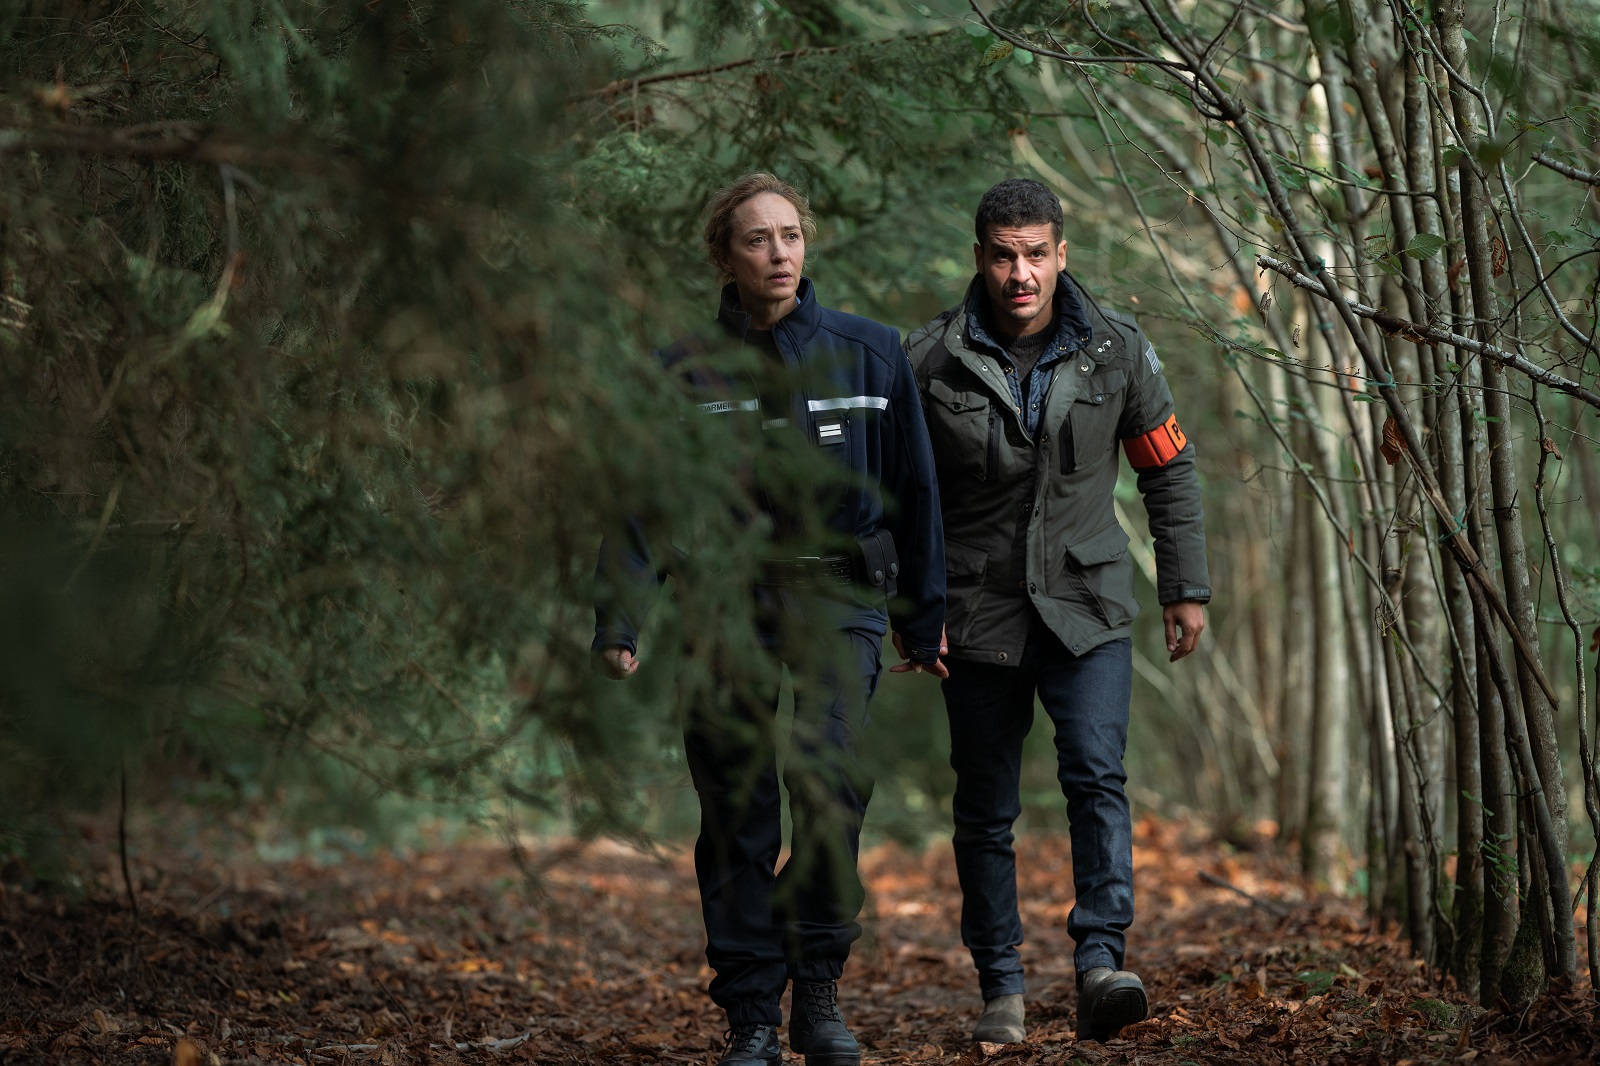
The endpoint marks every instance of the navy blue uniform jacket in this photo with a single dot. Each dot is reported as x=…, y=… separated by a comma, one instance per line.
x=857, y=398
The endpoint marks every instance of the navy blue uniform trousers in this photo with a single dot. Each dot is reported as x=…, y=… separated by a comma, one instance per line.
x=766, y=926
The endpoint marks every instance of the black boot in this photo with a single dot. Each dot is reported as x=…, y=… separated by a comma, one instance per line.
x=1108, y=1000
x=817, y=1029
x=751, y=1045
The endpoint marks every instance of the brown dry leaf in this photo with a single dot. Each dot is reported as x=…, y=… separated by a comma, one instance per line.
x=1391, y=446
x=624, y=984
x=1497, y=256
x=653, y=1037
x=1549, y=445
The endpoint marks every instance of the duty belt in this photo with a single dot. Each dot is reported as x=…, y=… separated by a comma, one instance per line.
x=808, y=571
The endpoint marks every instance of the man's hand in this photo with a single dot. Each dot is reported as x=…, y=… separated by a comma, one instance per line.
x=1185, y=622
x=619, y=663
x=936, y=668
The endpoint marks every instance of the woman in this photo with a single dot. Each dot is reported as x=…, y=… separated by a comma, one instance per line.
x=844, y=382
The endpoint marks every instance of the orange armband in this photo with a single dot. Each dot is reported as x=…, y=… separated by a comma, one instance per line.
x=1155, y=449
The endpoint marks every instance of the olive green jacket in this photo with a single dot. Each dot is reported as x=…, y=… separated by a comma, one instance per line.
x=1031, y=522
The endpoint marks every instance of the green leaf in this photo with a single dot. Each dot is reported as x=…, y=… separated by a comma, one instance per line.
x=1425, y=246
x=996, y=52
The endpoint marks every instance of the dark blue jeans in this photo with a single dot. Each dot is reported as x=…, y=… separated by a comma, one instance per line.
x=991, y=711
x=763, y=927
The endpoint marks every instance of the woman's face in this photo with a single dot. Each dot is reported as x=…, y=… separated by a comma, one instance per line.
x=766, y=250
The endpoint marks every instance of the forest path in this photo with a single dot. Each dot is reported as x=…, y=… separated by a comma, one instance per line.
x=438, y=957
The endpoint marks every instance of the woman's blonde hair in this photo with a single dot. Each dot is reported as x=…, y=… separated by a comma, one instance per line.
x=720, y=209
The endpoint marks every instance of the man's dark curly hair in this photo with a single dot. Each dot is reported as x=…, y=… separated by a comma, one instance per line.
x=1018, y=202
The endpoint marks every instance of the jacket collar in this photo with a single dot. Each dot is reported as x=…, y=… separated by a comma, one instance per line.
x=1071, y=330
x=801, y=323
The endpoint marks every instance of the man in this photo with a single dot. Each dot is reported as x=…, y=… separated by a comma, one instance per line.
x=844, y=383
x=1028, y=386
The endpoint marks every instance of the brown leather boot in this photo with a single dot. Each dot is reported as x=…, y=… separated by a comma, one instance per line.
x=1001, y=1022
x=1108, y=1000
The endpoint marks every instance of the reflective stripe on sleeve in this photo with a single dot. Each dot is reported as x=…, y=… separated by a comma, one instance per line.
x=1150, y=451
x=845, y=403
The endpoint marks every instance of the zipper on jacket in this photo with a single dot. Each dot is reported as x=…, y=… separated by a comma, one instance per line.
x=993, y=471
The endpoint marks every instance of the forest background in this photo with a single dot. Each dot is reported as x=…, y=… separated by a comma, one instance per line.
x=323, y=334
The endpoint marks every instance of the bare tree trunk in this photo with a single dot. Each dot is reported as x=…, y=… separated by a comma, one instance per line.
x=1498, y=803
x=1552, y=903
x=1322, y=843
x=1413, y=837
x=1591, y=798
x=1299, y=637
x=1537, y=710
x=1501, y=889
x=1450, y=463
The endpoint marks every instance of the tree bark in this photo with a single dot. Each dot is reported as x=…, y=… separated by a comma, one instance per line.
x=1450, y=463
x=1322, y=844
x=1299, y=638
x=1538, y=718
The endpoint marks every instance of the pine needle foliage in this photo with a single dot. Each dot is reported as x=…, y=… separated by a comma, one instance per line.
x=323, y=371
x=317, y=395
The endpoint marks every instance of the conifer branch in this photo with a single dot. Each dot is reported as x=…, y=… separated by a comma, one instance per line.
x=634, y=84
x=190, y=141
x=1424, y=334
x=1122, y=60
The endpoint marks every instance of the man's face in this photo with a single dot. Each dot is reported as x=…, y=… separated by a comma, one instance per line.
x=766, y=249
x=1019, y=265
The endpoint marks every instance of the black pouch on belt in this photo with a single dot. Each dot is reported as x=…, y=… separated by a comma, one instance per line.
x=878, y=564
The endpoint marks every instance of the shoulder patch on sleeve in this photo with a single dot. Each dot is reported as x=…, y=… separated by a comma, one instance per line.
x=1150, y=357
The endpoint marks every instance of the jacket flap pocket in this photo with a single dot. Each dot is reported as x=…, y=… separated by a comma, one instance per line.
x=956, y=401
x=963, y=560
x=1104, y=385
x=1108, y=545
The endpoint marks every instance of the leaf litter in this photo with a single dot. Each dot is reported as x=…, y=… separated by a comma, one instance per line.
x=442, y=956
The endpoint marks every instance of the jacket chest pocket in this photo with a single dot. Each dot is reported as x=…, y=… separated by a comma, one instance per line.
x=830, y=429
x=1092, y=430
x=964, y=429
